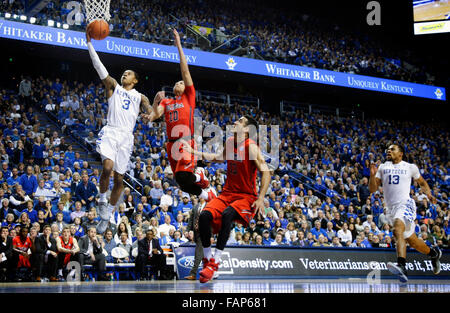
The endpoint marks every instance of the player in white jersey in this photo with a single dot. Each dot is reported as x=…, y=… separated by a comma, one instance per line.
x=395, y=176
x=116, y=139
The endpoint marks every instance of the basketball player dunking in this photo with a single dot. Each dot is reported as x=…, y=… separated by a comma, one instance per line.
x=179, y=118
x=115, y=140
x=239, y=200
x=395, y=177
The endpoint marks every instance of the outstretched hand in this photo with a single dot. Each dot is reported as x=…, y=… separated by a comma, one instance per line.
x=159, y=96
x=186, y=146
x=259, y=206
x=176, y=37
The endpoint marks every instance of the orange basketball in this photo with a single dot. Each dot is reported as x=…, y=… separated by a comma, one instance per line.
x=98, y=29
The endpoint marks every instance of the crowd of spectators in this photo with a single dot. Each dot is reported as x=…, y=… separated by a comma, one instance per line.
x=265, y=31
x=318, y=195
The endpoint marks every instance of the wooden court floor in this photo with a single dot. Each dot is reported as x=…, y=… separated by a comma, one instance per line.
x=432, y=11
x=253, y=286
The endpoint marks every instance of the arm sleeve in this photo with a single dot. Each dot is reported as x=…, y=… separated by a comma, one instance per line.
x=415, y=173
x=99, y=67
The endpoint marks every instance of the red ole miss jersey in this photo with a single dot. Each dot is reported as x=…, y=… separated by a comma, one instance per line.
x=241, y=171
x=180, y=111
x=67, y=245
x=22, y=246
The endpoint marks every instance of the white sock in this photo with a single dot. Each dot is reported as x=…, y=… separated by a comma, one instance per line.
x=60, y=272
x=197, y=178
x=207, y=253
x=110, y=208
x=103, y=197
x=204, y=194
x=218, y=255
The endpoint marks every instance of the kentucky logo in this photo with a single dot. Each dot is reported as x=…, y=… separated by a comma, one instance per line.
x=231, y=63
x=438, y=93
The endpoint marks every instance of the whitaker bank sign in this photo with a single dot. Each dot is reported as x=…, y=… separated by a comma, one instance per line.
x=139, y=49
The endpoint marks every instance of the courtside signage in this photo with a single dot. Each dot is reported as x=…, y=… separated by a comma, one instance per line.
x=126, y=47
x=310, y=262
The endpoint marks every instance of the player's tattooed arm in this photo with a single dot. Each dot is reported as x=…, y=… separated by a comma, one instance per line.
x=256, y=155
x=145, y=104
x=183, y=62
x=155, y=111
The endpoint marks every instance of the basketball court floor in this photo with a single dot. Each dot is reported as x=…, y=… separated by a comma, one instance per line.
x=348, y=285
x=432, y=11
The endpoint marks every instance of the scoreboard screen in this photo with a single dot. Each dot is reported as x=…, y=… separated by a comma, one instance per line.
x=431, y=16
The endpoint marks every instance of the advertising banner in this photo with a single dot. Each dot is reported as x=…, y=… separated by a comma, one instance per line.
x=74, y=39
x=293, y=262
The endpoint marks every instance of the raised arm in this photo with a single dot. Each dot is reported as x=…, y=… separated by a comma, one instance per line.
x=374, y=182
x=109, y=82
x=256, y=155
x=185, y=74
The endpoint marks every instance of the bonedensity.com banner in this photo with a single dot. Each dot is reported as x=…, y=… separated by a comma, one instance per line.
x=308, y=262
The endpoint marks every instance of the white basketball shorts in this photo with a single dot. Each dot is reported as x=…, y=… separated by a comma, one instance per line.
x=117, y=145
x=406, y=212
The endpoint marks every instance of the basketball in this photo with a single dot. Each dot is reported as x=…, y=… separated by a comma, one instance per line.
x=98, y=29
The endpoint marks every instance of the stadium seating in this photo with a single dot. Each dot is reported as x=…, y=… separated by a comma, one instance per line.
x=269, y=33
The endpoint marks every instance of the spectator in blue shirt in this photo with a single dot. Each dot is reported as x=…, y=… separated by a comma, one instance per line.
x=32, y=214
x=29, y=182
x=14, y=178
x=85, y=192
x=266, y=238
x=317, y=230
x=38, y=151
x=183, y=206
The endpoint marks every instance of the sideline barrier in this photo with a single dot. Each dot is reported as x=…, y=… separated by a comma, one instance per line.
x=292, y=262
x=74, y=39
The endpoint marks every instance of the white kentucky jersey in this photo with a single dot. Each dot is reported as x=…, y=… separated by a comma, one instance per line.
x=123, y=108
x=396, y=181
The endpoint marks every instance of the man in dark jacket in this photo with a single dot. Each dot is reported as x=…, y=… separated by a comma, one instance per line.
x=91, y=252
x=46, y=253
x=6, y=256
x=85, y=192
x=149, y=252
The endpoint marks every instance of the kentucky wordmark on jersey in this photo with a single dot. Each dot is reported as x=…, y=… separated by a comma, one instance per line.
x=123, y=108
x=396, y=181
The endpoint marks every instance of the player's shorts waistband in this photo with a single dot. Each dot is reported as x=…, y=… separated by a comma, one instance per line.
x=184, y=138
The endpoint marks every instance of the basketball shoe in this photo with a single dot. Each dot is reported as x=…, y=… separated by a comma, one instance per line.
x=398, y=270
x=204, y=182
x=435, y=261
x=209, y=268
x=103, y=210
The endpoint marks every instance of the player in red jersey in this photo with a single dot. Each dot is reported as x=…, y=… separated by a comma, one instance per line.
x=21, y=244
x=68, y=249
x=239, y=200
x=179, y=118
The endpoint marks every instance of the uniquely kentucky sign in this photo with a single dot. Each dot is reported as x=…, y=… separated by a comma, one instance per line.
x=74, y=39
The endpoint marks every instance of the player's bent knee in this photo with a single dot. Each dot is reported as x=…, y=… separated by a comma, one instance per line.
x=205, y=216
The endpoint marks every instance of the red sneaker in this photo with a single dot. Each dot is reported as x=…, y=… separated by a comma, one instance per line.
x=204, y=182
x=209, y=268
x=212, y=194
